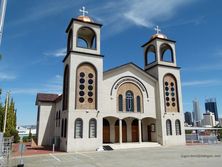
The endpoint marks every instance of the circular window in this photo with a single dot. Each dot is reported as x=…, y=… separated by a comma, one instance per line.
x=172, y=89
x=173, y=99
x=81, y=93
x=81, y=100
x=82, y=74
x=166, y=88
x=166, y=83
x=172, y=94
x=172, y=84
x=90, y=81
x=168, y=104
x=167, y=98
x=90, y=100
x=90, y=94
x=81, y=87
x=82, y=80
x=90, y=75
x=167, y=93
x=90, y=87
x=173, y=104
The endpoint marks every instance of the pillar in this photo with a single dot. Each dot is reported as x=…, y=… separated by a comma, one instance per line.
x=140, y=134
x=120, y=131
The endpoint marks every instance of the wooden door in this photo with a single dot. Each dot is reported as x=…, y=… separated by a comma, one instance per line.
x=135, y=133
x=149, y=133
x=116, y=134
x=124, y=134
x=106, y=134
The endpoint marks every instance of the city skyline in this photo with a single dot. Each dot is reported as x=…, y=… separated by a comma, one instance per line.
x=34, y=44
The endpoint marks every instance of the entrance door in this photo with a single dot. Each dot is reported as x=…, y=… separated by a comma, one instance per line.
x=106, y=131
x=149, y=133
x=124, y=131
x=135, y=131
x=117, y=131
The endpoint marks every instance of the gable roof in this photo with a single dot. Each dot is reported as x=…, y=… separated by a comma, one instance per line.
x=46, y=97
x=130, y=64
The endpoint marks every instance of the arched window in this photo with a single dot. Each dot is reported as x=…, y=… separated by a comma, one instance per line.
x=129, y=101
x=62, y=128
x=178, y=127
x=92, y=128
x=59, y=119
x=170, y=93
x=168, y=127
x=78, y=128
x=86, y=87
x=69, y=42
x=65, y=128
x=150, y=55
x=138, y=104
x=66, y=88
x=120, y=102
x=56, y=119
x=86, y=38
x=166, y=53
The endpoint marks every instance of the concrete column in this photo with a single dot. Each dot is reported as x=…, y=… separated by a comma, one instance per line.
x=120, y=131
x=140, y=134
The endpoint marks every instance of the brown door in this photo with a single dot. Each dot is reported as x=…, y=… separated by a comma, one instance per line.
x=106, y=131
x=135, y=131
x=116, y=134
x=149, y=133
x=124, y=134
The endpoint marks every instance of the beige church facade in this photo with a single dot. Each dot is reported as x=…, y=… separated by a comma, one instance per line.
x=126, y=104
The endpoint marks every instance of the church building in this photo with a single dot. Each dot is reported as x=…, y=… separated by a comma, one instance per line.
x=126, y=104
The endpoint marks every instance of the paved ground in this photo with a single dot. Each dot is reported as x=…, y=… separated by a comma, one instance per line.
x=183, y=156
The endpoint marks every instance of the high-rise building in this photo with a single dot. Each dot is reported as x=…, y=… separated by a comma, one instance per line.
x=209, y=119
x=211, y=106
x=196, y=113
x=188, y=118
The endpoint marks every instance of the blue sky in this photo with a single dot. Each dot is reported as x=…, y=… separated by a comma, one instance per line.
x=34, y=42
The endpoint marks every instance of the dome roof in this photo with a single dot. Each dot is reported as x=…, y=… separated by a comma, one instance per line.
x=85, y=18
x=158, y=35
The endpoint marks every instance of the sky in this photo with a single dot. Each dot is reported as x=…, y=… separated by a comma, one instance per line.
x=34, y=43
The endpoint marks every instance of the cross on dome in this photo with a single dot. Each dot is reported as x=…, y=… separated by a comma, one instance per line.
x=157, y=29
x=83, y=11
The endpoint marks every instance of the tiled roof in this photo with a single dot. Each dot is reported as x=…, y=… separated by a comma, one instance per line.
x=46, y=97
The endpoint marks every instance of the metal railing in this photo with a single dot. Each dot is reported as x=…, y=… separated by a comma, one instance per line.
x=204, y=139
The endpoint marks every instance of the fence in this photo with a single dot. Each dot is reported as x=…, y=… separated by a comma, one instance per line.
x=6, y=151
x=204, y=139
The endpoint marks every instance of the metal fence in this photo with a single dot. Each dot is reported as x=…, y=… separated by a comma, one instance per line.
x=204, y=139
x=6, y=152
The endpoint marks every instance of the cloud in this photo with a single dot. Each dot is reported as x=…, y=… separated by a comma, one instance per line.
x=5, y=77
x=202, y=83
x=54, y=85
x=123, y=14
x=57, y=53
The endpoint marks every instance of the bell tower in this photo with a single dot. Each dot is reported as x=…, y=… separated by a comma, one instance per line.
x=160, y=62
x=82, y=84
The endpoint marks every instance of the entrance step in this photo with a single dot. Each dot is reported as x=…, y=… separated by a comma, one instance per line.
x=107, y=148
x=117, y=146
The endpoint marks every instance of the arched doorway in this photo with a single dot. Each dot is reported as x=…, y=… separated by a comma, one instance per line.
x=135, y=131
x=124, y=131
x=106, y=131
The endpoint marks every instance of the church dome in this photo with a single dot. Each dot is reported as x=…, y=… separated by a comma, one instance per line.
x=158, y=35
x=85, y=18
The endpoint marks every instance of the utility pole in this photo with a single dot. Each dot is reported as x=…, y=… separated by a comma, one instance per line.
x=2, y=17
x=6, y=110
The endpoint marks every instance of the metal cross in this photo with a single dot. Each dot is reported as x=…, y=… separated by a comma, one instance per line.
x=83, y=11
x=157, y=29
